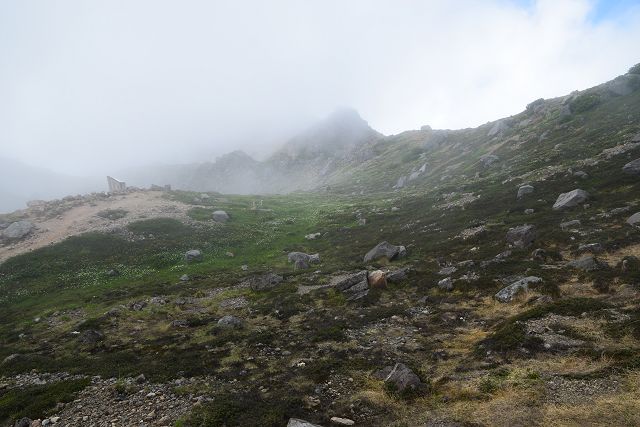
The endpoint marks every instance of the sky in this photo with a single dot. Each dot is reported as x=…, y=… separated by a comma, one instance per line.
x=87, y=86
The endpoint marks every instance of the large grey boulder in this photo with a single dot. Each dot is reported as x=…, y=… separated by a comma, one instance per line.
x=400, y=377
x=588, y=263
x=220, y=216
x=521, y=236
x=385, y=250
x=193, y=255
x=230, y=322
x=570, y=199
x=354, y=286
x=263, y=282
x=632, y=168
x=634, y=219
x=18, y=230
x=508, y=293
x=524, y=190
x=296, y=422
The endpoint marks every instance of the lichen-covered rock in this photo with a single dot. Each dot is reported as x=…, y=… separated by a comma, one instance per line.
x=400, y=377
x=570, y=199
x=385, y=250
x=230, y=322
x=193, y=255
x=521, y=236
x=524, y=190
x=508, y=293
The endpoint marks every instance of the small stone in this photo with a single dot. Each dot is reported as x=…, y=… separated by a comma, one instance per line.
x=342, y=421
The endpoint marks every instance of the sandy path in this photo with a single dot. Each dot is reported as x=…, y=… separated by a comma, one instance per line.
x=83, y=218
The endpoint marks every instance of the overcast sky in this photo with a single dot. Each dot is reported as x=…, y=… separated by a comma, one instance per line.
x=91, y=86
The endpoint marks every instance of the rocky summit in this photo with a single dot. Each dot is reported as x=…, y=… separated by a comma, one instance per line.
x=485, y=276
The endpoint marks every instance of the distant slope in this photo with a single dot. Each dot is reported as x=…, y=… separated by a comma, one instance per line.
x=21, y=183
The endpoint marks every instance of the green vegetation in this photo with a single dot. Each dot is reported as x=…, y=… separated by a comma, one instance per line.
x=35, y=401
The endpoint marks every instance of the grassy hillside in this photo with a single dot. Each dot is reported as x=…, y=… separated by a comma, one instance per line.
x=563, y=353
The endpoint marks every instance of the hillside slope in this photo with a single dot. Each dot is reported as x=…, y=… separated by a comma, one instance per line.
x=508, y=304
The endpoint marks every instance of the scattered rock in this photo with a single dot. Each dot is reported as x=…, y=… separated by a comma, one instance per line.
x=294, y=257
x=193, y=255
x=524, y=190
x=594, y=248
x=446, y=284
x=570, y=199
x=508, y=293
x=220, y=216
x=312, y=236
x=632, y=168
x=400, y=377
x=588, y=263
x=397, y=275
x=521, y=236
x=377, y=279
x=262, y=282
x=634, y=219
x=354, y=286
x=385, y=250
x=230, y=322
x=184, y=278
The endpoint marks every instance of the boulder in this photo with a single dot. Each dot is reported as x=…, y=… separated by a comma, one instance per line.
x=193, y=255
x=312, y=236
x=18, y=230
x=294, y=257
x=385, y=250
x=508, y=293
x=632, y=168
x=588, y=263
x=342, y=421
x=23, y=422
x=220, y=216
x=524, y=190
x=230, y=322
x=354, y=286
x=594, y=248
x=400, y=377
x=184, y=278
x=445, y=271
x=446, y=284
x=634, y=219
x=296, y=422
x=570, y=199
x=377, y=279
x=263, y=282
x=397, y=275
x=301, y=265
x=521, y=236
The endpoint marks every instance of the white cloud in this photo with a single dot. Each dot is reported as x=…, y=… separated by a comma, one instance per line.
x=81, y=81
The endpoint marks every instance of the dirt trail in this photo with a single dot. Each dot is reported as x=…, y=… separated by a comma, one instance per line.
x=84, y=218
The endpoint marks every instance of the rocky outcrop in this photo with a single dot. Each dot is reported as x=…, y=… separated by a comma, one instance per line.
x=385, y=250
x=632, y=168
x=570, y=199
x=353, y=286
x=18, y=230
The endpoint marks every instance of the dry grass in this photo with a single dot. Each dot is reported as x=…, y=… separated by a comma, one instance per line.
x=622, y=409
